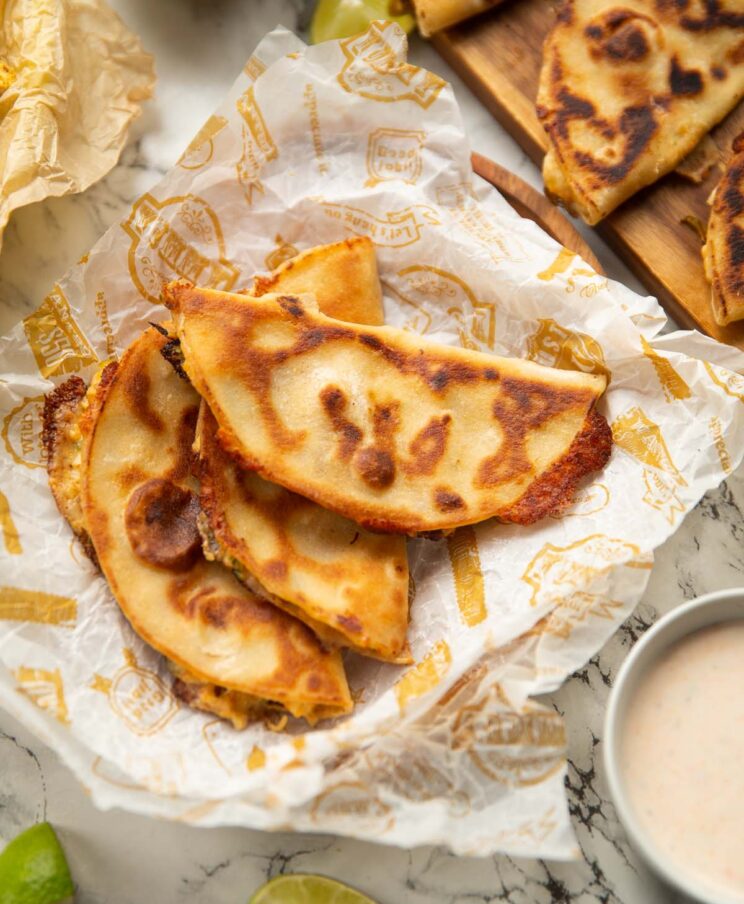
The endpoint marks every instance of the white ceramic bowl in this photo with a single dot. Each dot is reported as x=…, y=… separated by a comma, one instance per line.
x=725, y=605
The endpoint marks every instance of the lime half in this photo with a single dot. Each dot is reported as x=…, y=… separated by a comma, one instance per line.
x=302, y=888
x=343, y=18
x=33, y=869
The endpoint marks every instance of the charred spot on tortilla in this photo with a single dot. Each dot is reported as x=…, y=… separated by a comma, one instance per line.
x=160, y=521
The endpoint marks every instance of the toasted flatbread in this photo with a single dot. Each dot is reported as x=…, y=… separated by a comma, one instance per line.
x=343, y=277
x=628, y=89
x=349, y=585
x=723, y=252
x=388, y=429
x=140, y=506
x=62, y=438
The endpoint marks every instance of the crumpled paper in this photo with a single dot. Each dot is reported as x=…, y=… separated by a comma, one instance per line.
x=312, y=145
x=74, y=78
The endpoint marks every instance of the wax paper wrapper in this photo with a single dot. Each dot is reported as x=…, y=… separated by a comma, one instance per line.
x=72, y=78
x=312, y=145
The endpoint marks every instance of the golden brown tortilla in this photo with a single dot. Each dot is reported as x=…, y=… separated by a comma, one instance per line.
x=342, y=277
x=388, y=429
x=628, y=89
x=140, y=508
x=723, y=252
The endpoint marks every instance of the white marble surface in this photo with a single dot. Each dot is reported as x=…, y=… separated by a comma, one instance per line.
x=116, y=858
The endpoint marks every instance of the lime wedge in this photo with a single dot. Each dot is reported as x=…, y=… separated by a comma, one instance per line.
x=302, y=888
x=33, y=869
x=343, y=18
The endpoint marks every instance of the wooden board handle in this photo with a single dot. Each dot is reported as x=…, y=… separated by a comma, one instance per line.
x=531, y=204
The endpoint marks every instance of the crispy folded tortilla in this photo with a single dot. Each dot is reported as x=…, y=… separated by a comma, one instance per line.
x=388, y=429
x=723, y=252
x=139, y=508
x=628, y=89
x=348, y=585
x=343, y=277
x=64, y=423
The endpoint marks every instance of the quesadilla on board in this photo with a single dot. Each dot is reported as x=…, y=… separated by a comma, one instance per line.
x=388, y=429
x=628, y=89
x=723, y=252
x=232, y=652
x=342, y=277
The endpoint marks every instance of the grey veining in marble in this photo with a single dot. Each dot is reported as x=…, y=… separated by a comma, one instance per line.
x=119, y=858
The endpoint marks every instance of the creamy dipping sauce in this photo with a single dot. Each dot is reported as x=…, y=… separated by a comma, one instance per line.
x=683, y=755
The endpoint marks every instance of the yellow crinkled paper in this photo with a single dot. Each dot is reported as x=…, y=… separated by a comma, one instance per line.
x=309, y=146
x=72, y=78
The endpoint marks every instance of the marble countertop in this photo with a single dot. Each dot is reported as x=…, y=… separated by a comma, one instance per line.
x=117, y=858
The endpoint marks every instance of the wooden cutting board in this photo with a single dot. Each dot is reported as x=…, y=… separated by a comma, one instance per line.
x=498, y=55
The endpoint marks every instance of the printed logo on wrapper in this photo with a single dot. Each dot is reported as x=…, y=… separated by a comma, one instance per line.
x=394, y=155
x=555, y=346
x=176, y=237
x=258, y=145
x=462, y=547
x=728, y=380
x=112, y=775
x=22, y=433
x=373, y=68
x=569, y=265
x=432, y=292
x=44, y=687
x=354, y=801
x=211, y=732
x=101, y=309
x=17, y=604
x=159, y=776
x=557, y=571
x=576, y=609
x=425, y=675
x=512, y=748
x=201, y=149
x=256, y=759
x=719, y=441
x=11, y=537
x=398, y=229
x=525, y=833
x=283, y=252
x=639, y=436
x=254, y=67
x=589, y=501
x=412, y=774
x=464, y=210
x=137, y=696
x=671, y=382
x=310, y=102
x=57, y=342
